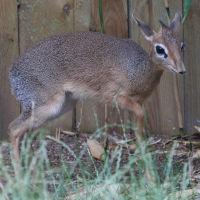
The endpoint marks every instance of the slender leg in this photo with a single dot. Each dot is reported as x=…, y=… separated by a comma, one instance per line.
x=126, y=102
x=15, y=148
x=41, y=113
x=16, y=129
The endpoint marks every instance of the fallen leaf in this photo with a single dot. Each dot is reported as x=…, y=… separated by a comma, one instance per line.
x=197, y=154
x=69, y=133
x=124, y=144
x=115, y=139
x=123, y=141
x=176, y=152
x=153, y=143
x=96, y=149
x=131, y=147
x=170, y=140
x=114, y=146
x=198, y=128
x=188, y=142
x=193, y=135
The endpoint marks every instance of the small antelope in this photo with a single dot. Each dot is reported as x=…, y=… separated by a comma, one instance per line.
x=61, y=69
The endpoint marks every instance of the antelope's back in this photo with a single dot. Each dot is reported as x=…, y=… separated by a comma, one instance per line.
x=87, y=57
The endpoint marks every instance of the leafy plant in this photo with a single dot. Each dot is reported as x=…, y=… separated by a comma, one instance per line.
x=187, y=4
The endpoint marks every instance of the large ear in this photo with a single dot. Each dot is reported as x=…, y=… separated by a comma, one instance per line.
x=174, y=27
x=145, y=29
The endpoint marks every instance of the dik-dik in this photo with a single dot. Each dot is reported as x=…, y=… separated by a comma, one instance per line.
x=58, y=71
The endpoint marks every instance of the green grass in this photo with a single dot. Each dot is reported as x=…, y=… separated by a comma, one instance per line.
x=43, y=183
x=128, y=182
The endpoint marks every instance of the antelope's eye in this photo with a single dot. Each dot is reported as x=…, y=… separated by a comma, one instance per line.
x=160, y=50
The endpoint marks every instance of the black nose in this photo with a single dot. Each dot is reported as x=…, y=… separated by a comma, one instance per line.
x=183, y=72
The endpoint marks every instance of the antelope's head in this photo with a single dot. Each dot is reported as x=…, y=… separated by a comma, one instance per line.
x=166, y=47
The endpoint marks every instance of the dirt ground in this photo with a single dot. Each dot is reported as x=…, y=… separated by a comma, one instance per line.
x=181, y=154
x=56, y=151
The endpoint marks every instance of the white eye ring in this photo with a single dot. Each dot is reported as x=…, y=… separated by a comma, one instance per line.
x=165, y=49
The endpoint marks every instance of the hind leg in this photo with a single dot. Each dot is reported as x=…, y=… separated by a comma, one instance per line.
x=42, y=113
x=16, y=129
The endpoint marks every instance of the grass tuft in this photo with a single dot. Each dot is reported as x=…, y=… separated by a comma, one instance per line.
x=42, y=181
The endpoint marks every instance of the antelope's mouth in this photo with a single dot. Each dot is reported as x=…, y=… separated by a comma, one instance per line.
x=172, y=70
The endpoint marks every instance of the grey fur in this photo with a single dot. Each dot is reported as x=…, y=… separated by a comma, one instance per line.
x=37, y=74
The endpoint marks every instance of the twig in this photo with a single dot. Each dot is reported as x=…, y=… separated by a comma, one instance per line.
x=106, y=127
x=59, y=134
x=79, y=123
x=191, y=166
x=106, y=117
x=56, y=134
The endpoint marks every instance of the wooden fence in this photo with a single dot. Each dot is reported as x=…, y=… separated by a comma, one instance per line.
x=28, y=21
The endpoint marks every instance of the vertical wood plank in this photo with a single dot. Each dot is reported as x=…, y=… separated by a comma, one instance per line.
x=9, y=107
x=41, y=18
x=160, y=106
x=114, y=17
x=192, y=60
x=81, y=15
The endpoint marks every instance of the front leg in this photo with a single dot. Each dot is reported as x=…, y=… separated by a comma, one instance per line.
x=127, y=103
